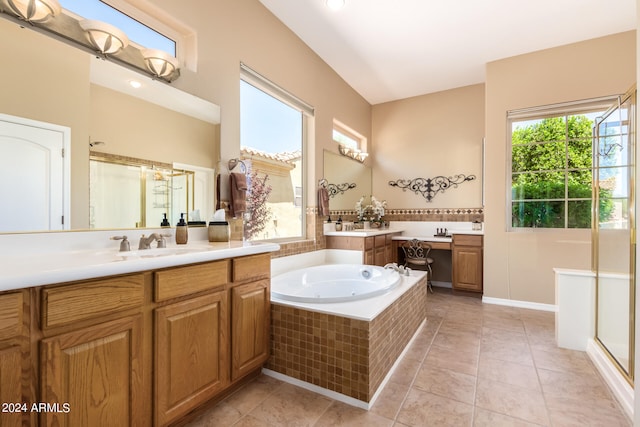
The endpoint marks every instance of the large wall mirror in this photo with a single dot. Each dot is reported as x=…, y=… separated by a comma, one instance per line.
x=347, y=179
x=91, y=102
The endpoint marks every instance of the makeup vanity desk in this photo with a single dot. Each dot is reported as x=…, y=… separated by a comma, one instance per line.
x=462, y=250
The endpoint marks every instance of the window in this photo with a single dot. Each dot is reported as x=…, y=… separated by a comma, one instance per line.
x=273, y=126
x=138, y=32
x=348, y=137
x=551, y=163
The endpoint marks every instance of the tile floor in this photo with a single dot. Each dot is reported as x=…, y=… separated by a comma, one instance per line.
x=472, y=364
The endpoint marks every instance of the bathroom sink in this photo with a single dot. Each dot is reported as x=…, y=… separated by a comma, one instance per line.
x=156, y=252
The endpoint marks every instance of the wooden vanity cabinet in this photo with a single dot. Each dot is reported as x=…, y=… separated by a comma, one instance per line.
x=191, y=330
x=250, y=314
x=15, y=362
x=376, y=250
x=467, y=262
x=137, y=349
x=91, y=357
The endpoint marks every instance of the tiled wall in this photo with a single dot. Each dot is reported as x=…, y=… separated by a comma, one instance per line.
x=344, y=355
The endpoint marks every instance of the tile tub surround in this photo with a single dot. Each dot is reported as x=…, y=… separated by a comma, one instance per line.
x=472, y=364
x=347, y=356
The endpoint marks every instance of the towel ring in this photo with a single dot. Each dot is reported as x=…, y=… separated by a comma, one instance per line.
x=234, y=162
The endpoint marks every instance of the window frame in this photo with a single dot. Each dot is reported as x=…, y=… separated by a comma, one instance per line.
x=161, y=22
x=348, y=132
x=253, y=78
x=564, y=110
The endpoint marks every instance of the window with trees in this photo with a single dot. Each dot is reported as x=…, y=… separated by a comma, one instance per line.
x=273, y=128
x=552, y=166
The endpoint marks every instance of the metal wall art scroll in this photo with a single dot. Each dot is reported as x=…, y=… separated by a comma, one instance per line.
x=335, y=189
x=430, y=187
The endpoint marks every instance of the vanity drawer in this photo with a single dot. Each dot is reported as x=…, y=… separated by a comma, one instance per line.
x=467, y=240
x=11, y=315
x=66, y=304
x=251, y=267
x=181, y=281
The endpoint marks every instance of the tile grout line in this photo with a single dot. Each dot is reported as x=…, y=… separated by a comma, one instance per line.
x=395, y=418
x=535, y=366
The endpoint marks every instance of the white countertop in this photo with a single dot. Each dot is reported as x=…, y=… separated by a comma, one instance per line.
x=18, y=270
x=363, y=232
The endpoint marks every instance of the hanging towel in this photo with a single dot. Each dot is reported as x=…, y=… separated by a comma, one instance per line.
x=323, y=201
x=237, y=193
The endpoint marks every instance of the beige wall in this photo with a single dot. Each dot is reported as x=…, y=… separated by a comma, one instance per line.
x=426, y=136
x=135, y=128
x=230, y=32
x=519, y=265
x=40, y=87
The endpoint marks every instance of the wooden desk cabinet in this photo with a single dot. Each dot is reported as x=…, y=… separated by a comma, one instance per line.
x=467, y=262
x=376, y=250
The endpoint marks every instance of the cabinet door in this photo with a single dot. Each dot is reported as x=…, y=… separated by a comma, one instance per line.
x=93, y=376
x=191, y=361
x=250, y=317
x=11, y=385
x=380, y=255
x=467, y=268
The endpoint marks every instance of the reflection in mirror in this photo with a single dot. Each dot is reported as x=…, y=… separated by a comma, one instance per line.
x=93, y=99
x=340, y=170
x=128, y=193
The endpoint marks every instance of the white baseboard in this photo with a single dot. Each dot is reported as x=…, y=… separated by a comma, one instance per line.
x=619, y=386
x=520, y=304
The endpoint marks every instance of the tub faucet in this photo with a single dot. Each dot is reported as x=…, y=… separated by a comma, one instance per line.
x=393, y=266
x=145, y=242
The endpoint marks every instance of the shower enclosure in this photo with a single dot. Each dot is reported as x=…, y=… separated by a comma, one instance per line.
x=614, y=231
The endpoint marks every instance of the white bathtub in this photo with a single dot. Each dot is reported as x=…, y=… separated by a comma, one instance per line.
x=334, y=283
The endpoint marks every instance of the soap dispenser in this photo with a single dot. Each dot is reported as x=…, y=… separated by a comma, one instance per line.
x=165, y=222
x=182, y=232
x=339, y=224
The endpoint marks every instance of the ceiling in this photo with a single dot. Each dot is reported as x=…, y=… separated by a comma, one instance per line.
x=395, y=49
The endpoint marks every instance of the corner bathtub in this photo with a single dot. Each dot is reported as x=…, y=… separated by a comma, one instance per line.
x=334, y=283
x=347, y=340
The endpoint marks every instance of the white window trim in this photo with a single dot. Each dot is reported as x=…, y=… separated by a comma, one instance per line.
x=260, y=82
x=351, y=133
x=541, y=112
x=164, y=23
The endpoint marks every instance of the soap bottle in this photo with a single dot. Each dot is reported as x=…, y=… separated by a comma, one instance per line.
x=165, y=222
x=339, y=224
x=182, y=232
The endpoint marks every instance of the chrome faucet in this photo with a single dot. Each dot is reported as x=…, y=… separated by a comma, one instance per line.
x=393, y=266
x=124, y=245
x=400, y=269
x=145, y=242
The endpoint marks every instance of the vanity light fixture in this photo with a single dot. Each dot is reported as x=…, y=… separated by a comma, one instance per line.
x=353, y=153
x=34, y=10
x=335, y=4
x=105, y=38
x=159, y=63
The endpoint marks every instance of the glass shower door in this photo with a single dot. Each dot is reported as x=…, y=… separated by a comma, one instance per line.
x=614, y=231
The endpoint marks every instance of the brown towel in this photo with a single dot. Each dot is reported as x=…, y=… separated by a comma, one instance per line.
x=323, y=201
x=237, y=193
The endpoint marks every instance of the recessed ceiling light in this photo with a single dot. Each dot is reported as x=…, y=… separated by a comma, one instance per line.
x=335, y=4
x=135, y=84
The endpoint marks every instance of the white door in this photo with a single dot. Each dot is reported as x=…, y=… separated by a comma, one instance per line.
x=33, y=175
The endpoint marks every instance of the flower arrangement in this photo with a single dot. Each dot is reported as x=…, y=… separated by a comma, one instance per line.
x=373, y=212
